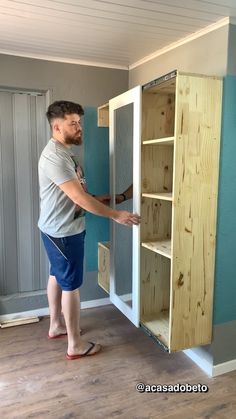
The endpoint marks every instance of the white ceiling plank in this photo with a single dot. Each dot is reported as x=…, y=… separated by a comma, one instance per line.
x=174, y=8
x=51, y=24
x=120, y=33
x=126, y=21
x=107, y=11
x=219, y=5
x=88, y=25
x=219, y=8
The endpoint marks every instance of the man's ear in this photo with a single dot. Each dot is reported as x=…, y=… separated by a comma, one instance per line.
x=56, y=126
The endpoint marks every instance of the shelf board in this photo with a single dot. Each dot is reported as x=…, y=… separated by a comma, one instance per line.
x=166, y=196
x=158, y=324
x=162, y=247
x=105, y=245
x=164, y=141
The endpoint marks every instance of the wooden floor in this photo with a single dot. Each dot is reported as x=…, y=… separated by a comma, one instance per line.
x=36, y=381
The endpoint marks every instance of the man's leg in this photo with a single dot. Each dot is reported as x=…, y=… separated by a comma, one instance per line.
x=71, y=311
x=54, y=300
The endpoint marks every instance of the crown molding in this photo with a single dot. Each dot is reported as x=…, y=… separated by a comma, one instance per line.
x=61, y=59
x=189, y=38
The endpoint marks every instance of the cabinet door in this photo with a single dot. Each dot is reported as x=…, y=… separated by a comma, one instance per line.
x=125, y=127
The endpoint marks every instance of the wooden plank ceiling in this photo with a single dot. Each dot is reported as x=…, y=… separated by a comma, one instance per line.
x=103, y=32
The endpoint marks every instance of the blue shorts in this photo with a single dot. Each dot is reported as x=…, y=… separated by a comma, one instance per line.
x=66, y=257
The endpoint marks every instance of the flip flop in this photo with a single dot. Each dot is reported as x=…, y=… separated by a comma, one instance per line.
x=61, y=335
x=87, y=353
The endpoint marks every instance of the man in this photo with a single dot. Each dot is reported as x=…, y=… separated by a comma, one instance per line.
x=63, y=199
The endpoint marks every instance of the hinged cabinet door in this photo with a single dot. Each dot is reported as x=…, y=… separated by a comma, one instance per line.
x=125, y=127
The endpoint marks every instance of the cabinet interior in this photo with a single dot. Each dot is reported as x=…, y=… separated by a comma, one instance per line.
x=157, y=168
x=158, y=111
x=155, y=294
x=158, y=121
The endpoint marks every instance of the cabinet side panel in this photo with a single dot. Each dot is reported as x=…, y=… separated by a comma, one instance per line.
x=196, y=162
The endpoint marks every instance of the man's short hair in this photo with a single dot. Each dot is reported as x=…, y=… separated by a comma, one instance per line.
x=60, y=108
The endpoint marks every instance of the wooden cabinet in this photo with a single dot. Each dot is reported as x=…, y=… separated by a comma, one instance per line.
x=104, y=265
x=176, y=122
x=103, y=115
x=179, y=177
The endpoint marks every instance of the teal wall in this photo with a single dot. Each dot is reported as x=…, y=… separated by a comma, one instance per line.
x=96, y=167
x=225, y=269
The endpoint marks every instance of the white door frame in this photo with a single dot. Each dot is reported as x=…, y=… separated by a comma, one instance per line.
x=132, y=96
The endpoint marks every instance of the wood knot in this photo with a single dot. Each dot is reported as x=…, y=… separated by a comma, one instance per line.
x=180, y=280
x=187, y=230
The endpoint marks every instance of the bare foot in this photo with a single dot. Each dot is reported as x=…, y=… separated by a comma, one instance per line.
x=58, y=331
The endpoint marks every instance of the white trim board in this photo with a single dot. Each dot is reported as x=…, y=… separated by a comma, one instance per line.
x=45, y=311
x=208, y=367
x=182, y=41
x=61, y=59
x=227, y=366
x=204, y=364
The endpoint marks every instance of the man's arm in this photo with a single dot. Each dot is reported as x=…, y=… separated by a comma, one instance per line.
x=76, y=193
x=127, y=194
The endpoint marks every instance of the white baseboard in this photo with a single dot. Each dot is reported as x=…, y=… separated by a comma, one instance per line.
x=208, y=367
x=204, y=364
x=96, y=303
x=39, y=313
x=227, y=366
x=45, y=311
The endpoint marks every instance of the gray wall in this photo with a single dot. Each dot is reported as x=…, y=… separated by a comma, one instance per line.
x=90, y=86
x=205, y=55
x=231, y=67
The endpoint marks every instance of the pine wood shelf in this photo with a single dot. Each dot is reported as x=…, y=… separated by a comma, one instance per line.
x=166, y=196
x=163, y=141
x=162, y=247
x=158, y=324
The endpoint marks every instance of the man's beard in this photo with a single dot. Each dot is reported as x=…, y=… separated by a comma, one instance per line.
x=73, y=140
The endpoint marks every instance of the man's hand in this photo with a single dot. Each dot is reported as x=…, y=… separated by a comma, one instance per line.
x=127, y=218
x=119, y=199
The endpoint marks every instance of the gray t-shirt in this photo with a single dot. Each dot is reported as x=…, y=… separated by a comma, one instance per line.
x=59, y=216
